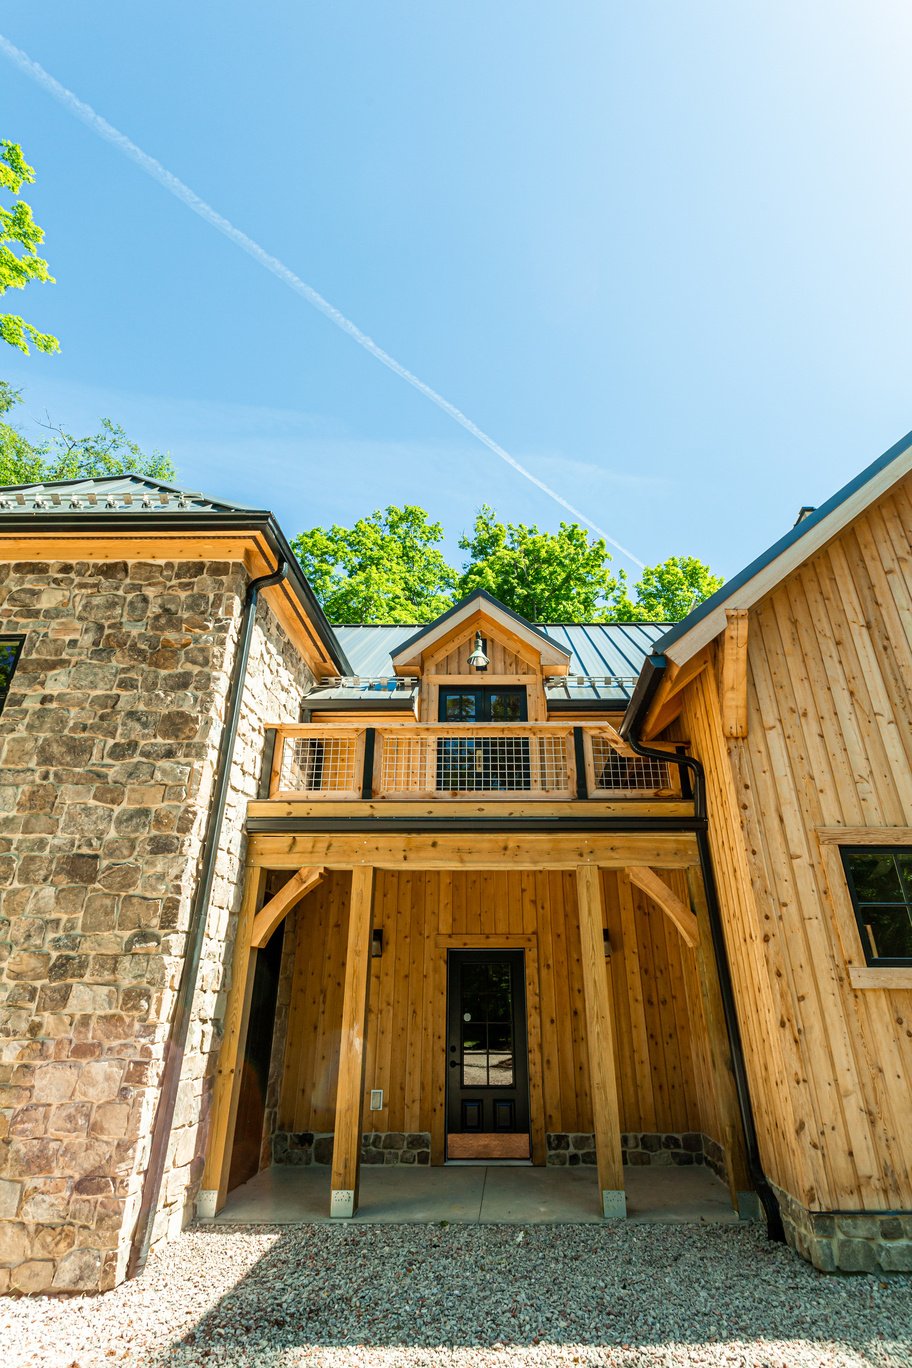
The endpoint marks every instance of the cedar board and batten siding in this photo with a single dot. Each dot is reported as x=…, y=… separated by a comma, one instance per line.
x=828, y=746
x=661, y=1059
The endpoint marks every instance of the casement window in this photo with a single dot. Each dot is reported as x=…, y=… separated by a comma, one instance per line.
x=880, y=884
x=10, y=650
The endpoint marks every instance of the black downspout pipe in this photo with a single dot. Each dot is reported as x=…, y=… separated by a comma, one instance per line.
x=638, y=708
x=196, y=931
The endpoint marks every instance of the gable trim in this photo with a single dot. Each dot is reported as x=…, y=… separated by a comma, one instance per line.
x=756, y=580
x=550, y=651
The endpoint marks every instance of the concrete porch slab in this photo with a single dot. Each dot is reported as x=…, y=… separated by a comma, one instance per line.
x=514, y=1196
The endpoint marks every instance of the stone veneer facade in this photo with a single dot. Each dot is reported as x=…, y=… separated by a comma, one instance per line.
x=848, y=1241
x=108, y=743
x=303, y=1148
x=660, y=1148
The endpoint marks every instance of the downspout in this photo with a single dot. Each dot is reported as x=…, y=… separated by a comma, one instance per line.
x=196, y=930
x=636, y=712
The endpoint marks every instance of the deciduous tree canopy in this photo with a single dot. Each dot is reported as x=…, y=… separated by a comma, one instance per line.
x=389, y=568
x=20, y=238
x=65, y=457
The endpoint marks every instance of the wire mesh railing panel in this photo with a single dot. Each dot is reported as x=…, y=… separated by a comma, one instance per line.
x=406, y=764
x=616, y=773
x=318, y=764
x=553, y=772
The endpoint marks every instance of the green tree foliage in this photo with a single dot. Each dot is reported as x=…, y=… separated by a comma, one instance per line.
x=545, y=576
x=387, y=568
x=667, y=592
x=20, y=238
x=66, y=457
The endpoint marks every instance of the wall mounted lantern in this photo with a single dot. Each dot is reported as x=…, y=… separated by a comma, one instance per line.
x=478, y=660
x=376, y=943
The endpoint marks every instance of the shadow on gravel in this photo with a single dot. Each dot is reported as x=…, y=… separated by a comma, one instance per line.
x=500, y=1287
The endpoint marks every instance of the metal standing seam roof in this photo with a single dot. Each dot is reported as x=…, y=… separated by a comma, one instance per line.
x=109, y=493
x=598, y=650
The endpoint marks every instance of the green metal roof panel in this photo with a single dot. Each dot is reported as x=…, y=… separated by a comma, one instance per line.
x=108, y=493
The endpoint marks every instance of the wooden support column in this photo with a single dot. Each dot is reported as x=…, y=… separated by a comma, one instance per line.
x=743, y=1197
x=346, y=1165
x=599, y=1037
x=733, y=684
x=227, y=1088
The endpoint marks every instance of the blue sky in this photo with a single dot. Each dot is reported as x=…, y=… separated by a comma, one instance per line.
x=660, y=252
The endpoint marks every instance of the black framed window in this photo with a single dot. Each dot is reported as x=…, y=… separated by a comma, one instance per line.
x=880, y=883
x=10, y=650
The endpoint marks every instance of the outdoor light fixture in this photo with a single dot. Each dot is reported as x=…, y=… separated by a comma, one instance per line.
x=478, y=660
x=376, y=943
x=607, y=939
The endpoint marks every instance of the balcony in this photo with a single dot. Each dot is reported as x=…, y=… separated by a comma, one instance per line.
x=483, y=762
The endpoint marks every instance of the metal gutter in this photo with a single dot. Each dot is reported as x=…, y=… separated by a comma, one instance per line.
x=571, y=825
x=196, y=929
x=643, y=695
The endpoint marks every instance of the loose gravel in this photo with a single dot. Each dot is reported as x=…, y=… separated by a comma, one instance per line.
x=432, y=1296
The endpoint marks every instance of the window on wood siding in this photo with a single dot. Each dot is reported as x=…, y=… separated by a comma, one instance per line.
x=880, y=882
x=10, y=648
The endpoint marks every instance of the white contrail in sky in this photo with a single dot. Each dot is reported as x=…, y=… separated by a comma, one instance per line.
x=278, y=268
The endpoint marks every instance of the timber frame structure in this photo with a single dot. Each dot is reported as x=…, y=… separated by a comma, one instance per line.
x=479, y=890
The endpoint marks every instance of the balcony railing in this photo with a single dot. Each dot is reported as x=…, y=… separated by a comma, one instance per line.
x=527, y=761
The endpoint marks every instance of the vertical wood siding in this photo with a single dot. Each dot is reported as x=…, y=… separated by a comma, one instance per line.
x=829, y=744
x=661, y=1059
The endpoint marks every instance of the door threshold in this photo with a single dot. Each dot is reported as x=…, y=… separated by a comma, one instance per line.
x=488, y=1163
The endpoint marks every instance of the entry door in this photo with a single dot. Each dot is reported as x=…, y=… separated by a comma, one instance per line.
x=487, y=1056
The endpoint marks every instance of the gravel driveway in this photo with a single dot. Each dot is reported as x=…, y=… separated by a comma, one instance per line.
x=471, y=1295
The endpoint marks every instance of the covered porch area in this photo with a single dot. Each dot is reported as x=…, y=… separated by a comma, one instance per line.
x=481, y=1194
x=531, y=1016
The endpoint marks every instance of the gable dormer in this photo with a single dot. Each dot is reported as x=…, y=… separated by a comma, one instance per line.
x=444, y=654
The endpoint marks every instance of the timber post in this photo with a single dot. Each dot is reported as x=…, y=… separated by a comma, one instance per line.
x=600, y=1040
x=740, y=1186
x=227, y=1088
x=346, y=1164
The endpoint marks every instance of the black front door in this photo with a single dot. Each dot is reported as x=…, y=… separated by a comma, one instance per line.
x=484, y=763
x=487, y=1055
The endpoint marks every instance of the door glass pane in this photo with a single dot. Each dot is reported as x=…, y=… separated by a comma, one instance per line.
x=876, y=878
x=486, y=1025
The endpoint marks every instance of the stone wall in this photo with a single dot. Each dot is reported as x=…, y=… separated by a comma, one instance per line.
x=107, y=748
x=848, y=1241
x=639, y=1149
x=300, y=1148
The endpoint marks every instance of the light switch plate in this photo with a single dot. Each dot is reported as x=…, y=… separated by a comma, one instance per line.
x=376, y=1099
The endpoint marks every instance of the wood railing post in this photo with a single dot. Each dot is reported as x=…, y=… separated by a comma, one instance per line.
x=600, y=1041
x=367, y=767
x=346, y=1164
x=579, y=751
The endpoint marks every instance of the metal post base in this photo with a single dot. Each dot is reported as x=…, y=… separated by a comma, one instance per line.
x=342, y=1202
x=749, y=1207
x=614, y=1204
x=207, y=1204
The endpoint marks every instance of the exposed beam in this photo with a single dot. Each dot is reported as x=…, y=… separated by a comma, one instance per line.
x=606, y=1116
x=438, y=850
x=664, y=897
x=281, y=903
x=667, y=703
x=226, y=1091
x=346, y=1165
x=733, y=688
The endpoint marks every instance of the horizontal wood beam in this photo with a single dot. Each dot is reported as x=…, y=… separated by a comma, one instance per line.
x=664, y=897
x=671, y=850
x=281, y=903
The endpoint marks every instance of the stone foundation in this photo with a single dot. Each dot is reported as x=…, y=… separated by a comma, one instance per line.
x=640, y=1148
x=848, y=1242
x=377, y=1147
